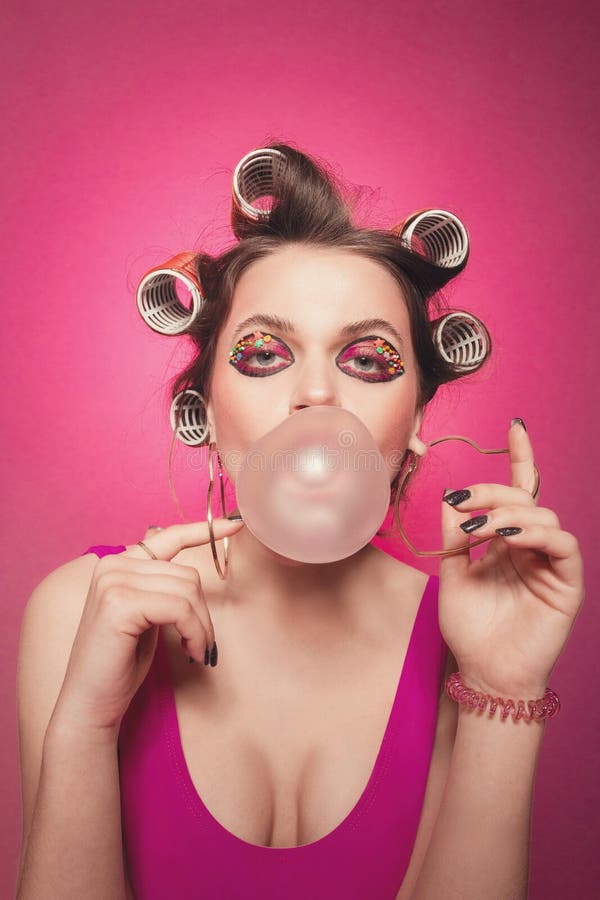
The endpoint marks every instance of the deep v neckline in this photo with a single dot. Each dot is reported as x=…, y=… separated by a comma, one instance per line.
x=170, y=724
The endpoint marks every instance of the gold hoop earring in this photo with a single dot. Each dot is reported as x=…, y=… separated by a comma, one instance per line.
x=209, y=516
x=408, y=474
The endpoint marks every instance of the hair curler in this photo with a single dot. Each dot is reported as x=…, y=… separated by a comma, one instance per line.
x=189, y=407
x=436, y=234
x=462, y=340
x=157, y=298
x=254, y=184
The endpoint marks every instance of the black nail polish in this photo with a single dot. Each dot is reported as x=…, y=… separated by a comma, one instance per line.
x=191, y=659
x=206, y=656
x=457, y=497
x=520, y=421
x=472, y=524
x=214, y=654
x=235, y=517
x=508, y=531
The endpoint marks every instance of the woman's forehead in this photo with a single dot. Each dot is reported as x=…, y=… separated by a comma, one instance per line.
x=303, y=286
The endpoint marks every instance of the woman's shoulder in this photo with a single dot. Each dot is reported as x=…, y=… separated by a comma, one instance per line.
x=67, y=573
x=58, y=598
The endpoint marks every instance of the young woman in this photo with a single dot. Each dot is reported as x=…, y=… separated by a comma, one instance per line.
x=319, y=751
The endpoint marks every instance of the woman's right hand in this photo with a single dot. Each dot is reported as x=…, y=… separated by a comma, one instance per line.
x=130, y=595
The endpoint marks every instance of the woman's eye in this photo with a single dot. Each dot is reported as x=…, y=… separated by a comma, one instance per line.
x=264, y=358
x=365, y=363
x=377, y=361
x=261, y=354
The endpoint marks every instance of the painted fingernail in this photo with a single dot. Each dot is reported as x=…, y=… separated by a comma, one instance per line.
x=507, y=532
x=520, y=421
x=214, y=654
x=206, y=656
x=457, y=497
x=191, y=659
x=235, y=517
x=471, y=524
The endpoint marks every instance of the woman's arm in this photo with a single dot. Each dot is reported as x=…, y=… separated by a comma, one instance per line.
x=81, y=662
x=481, y=838
x=72, y=844
x=506, y=616
x=74, y=848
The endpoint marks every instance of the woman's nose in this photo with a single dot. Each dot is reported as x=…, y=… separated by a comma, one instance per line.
x=316, y=386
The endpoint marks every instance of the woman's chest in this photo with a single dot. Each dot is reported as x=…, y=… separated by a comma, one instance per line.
x=280, y=755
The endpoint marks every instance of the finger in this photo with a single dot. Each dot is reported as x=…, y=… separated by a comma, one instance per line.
x=488, y=496
x=145, y=565
x=510, y=517
x=188, y=588
x=192, y=586
x=561, y=547
x=521, y=457
x=164, y=609
x=454, y=539
x=170, y=541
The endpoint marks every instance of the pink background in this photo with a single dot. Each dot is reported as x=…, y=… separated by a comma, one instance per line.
x=123, y=123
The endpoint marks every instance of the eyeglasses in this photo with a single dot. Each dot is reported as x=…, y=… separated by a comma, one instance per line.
x=413, y=465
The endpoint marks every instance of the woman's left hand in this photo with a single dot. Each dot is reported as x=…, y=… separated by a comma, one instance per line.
x=507, y=616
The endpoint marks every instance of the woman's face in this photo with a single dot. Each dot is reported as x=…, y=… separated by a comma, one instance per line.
x=319, y=292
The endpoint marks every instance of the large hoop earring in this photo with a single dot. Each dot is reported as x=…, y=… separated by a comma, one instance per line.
x=222, y=573
x=413, y=465
x=189, y=421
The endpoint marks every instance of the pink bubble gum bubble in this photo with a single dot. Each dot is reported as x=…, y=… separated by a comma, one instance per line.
x=314, y=489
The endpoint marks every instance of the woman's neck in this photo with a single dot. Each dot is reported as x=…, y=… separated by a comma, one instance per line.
x=259, y=577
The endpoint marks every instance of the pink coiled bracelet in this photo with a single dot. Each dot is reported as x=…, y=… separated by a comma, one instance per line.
x=544, y=708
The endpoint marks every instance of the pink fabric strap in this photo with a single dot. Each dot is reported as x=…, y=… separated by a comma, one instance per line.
x=105, y=549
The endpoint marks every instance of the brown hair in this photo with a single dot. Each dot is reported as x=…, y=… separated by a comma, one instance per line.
x=312, y=208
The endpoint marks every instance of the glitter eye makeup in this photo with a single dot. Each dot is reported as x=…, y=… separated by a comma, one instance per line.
x=384, y=362
x=265, y=348
x=377, y=360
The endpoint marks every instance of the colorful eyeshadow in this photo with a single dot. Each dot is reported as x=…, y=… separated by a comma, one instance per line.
x=388, y=353
x=257, y=340
x=393, y=365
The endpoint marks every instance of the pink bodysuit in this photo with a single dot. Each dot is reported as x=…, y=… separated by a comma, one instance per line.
x=176, y=848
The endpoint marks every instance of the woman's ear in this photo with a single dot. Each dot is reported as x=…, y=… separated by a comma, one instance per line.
x=415, y=443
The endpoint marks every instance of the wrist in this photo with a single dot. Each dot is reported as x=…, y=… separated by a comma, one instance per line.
x=537, y=706
x=64, y=728
x=518, y=689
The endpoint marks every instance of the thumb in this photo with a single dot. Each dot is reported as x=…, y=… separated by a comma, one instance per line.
x=453, y=538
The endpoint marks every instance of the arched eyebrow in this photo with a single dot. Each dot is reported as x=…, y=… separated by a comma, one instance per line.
x=268, y=323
